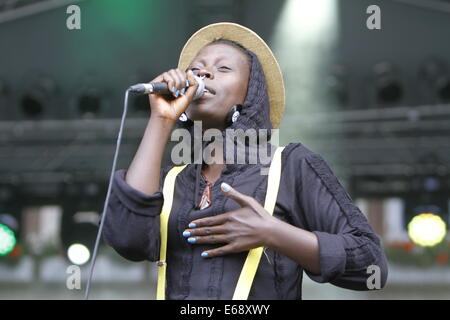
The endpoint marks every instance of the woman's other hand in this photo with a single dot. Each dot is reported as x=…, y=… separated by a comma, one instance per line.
x=240, y=230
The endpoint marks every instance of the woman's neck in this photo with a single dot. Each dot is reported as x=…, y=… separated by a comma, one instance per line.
x=215, y=164
x=212, y=172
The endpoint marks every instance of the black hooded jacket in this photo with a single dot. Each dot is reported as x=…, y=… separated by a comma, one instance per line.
x=310, y=197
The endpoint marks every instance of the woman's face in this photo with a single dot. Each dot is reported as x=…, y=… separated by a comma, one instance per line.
x=226, y=70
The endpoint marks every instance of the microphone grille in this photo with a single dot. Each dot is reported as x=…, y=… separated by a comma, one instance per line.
x=201, y=87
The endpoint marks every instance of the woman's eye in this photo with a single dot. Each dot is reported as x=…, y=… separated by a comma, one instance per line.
x=195, y=71
x=224, y=68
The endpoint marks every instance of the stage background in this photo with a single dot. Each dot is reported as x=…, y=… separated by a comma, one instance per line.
x=374, y=103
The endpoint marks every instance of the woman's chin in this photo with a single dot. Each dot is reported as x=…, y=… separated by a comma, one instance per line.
x=199, y=112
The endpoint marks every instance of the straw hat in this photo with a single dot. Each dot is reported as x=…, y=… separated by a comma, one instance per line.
x=251, y=41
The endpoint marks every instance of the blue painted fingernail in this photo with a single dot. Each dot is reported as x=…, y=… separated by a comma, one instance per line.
x=191, y=240
x=192, y=225
x=186, y=234
x=183, y=91
x=187, y=83
x=225, y=187
x=177, y=93
x=204, y=254
x=173, y=89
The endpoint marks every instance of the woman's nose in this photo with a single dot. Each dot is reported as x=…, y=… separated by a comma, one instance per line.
x=205, y=73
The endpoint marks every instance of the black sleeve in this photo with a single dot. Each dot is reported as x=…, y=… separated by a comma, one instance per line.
x=132, y=221
x=347, y=243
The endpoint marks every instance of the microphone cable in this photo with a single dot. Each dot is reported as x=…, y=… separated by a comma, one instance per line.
x=105, y=206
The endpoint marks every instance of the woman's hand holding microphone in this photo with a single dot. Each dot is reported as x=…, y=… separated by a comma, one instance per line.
x=144, y=171
x=183, y=87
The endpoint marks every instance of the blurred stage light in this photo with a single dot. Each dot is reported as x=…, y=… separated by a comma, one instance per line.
x=304, y=39
x=37, y=96
x=91, y=189
x=431, y=184
x=388, y=87
x=317, y=20
x=78, y=254
x=89, y=97
x=435, y=72
x=337, y=85
x=78, y=235
x=7, y=240
x=90, y=102
x=8, y=229
x=427, y=229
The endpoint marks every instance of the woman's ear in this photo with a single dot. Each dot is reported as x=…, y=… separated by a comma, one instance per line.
x=233, y=115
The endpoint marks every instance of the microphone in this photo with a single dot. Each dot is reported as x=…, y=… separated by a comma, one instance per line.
x=162, y=88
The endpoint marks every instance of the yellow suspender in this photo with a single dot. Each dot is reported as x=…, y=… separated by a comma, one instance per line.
x=168, y=189
x=254, y=256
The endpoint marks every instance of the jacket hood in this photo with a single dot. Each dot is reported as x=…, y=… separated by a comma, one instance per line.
x=255, y=114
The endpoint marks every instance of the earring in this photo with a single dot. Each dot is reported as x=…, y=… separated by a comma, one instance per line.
x=184, y=119
x=234, y=114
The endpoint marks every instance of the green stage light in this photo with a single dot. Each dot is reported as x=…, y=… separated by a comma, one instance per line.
x=7, y=240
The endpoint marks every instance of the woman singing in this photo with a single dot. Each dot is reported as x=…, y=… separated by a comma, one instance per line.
x=217, y=214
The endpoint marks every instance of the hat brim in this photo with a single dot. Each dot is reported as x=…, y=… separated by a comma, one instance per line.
x=251, y=41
